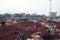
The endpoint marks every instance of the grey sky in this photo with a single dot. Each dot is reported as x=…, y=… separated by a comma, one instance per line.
x=32, y=6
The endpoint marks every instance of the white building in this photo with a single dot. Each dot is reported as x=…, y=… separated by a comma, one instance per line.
x=52, y=14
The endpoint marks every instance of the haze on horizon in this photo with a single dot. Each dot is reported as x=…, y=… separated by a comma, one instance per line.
x=29, y=6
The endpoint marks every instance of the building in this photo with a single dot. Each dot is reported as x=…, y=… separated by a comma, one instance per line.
x=52, y=14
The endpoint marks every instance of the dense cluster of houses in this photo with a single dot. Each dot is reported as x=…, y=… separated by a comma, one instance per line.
x=30, y=17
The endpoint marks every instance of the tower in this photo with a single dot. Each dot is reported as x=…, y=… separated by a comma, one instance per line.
x=50, y=5
x=51, y=14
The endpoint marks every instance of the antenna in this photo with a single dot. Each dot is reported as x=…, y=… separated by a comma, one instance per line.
x=50, y=5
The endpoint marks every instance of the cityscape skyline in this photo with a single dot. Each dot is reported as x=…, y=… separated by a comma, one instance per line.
x=40, y=7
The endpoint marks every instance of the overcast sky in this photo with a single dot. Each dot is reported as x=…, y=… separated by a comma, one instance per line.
x=29, y=6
